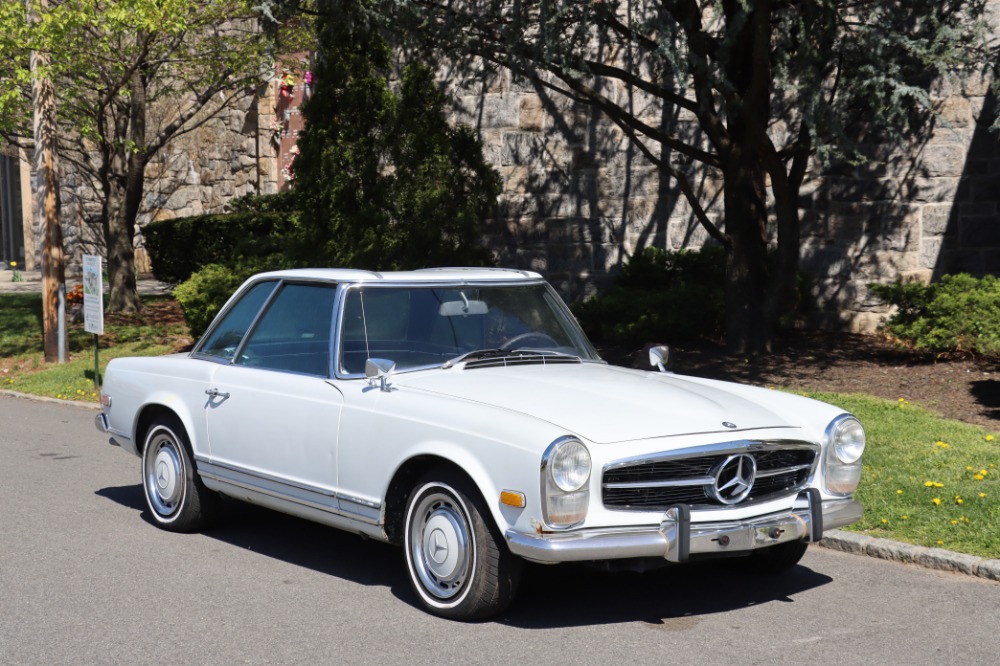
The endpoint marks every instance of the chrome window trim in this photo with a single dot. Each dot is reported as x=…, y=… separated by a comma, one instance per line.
x=197, y=353
x=281, y=284
x=347, y=287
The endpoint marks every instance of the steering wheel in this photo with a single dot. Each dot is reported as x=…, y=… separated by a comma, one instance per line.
x=527, y=336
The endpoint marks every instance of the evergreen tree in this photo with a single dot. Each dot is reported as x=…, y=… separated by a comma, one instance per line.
x=382, y=181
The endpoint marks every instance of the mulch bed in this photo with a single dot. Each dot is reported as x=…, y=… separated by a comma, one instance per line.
x=962, y=388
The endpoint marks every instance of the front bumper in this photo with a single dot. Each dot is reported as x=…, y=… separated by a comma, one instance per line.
x=677, y=538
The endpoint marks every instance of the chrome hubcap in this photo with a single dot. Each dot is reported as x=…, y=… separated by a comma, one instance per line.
x=439, y=545
x=164, y=475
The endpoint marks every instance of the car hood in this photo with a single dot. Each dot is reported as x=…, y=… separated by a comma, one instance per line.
x=602, y=403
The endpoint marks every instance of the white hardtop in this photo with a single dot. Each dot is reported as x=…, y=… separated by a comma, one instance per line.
x=429, y=275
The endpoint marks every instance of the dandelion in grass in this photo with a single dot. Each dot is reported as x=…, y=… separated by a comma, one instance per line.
x=982, y=495
x=941, y=445
x=904, y=517
x=968, y=468
x=989, y=438
x=899, y=492
x=954, y=522
x=984, y=472
x=978, y=477
x=940, y=543
x=936, y=501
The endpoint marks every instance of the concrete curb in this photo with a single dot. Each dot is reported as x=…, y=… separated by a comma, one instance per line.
x=94, y=406
x=930, y=558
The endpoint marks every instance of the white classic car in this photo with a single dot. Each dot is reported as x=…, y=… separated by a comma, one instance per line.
x=463, y=414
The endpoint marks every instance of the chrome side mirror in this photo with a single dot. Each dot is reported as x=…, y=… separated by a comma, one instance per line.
x=662, y=357
x=379, y=370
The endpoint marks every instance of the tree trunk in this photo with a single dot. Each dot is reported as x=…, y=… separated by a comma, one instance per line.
x=119, y=234
x=125, y=187
x=47, y=196
x=749, y=324
x=748, y=328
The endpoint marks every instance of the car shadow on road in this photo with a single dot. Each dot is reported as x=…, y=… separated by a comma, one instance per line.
x=567, y=595
x=671, y=598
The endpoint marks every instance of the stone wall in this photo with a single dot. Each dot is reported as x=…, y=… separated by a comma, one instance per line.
x=198, y=172
x=579, y=199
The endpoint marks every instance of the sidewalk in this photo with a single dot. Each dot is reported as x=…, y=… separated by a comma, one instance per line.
x=32, y=284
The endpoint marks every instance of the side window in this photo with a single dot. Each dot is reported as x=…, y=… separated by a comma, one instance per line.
x=294, y=333
x=226, y=337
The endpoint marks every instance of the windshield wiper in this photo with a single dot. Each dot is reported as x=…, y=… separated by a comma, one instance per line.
x=497, y=352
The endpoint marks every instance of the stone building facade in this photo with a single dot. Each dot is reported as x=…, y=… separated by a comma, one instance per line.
x=579, y=199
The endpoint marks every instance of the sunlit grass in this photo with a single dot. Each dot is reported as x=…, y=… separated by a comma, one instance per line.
x=927, y=480
x=158, y=330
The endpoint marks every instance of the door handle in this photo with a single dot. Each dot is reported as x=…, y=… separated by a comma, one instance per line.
x=215, y=393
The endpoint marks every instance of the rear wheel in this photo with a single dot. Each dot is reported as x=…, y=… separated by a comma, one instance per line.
x=772, y=560
x=175, y=494
x=457, y=565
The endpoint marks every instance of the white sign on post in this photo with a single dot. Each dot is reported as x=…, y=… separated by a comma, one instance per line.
x=93, y=295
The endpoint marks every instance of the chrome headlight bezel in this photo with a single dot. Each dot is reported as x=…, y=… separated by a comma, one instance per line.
x=566, y=470
x=845, y=447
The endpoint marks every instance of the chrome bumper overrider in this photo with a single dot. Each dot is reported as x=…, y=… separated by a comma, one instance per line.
x=102, y=425
x=678, y=538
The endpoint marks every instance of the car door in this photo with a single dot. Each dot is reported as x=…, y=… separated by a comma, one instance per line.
x=272, y=417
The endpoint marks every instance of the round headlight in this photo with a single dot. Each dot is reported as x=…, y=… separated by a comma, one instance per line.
x=570, y=466
x=848, y=440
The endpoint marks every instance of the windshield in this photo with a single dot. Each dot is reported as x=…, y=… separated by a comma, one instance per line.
x=419, y=327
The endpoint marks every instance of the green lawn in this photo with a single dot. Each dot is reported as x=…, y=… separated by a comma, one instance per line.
x=159, y=329
x=927, y=480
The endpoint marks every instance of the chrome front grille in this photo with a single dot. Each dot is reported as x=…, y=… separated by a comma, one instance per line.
x=690, y=476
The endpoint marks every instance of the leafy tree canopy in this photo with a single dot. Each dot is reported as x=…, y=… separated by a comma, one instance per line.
x=130, y=76
x=747, y=91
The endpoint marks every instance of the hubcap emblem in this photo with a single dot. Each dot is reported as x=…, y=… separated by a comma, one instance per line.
x=438, y=547
x=733, y=478
x=161, y=474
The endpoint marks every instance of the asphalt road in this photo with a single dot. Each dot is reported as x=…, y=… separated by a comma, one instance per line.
x=86, y=579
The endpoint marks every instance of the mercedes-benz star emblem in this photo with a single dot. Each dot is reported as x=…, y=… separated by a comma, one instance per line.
x=438, y=546
x=733, y=478
x=162, y=476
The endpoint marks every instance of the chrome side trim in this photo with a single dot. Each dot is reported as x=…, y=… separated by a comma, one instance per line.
x=322, y=499
x=675, y=538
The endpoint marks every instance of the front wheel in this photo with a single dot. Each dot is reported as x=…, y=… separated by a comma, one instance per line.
x=176, y=496
x=457, y=566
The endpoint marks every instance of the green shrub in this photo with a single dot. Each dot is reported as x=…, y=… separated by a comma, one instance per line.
x=958, y=314
x=179, y=247
x=207, y=290
x=660, y=296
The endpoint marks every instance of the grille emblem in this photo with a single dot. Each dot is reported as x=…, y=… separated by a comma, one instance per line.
x=734, y=478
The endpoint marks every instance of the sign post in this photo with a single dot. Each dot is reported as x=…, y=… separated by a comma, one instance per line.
x=93, y=306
